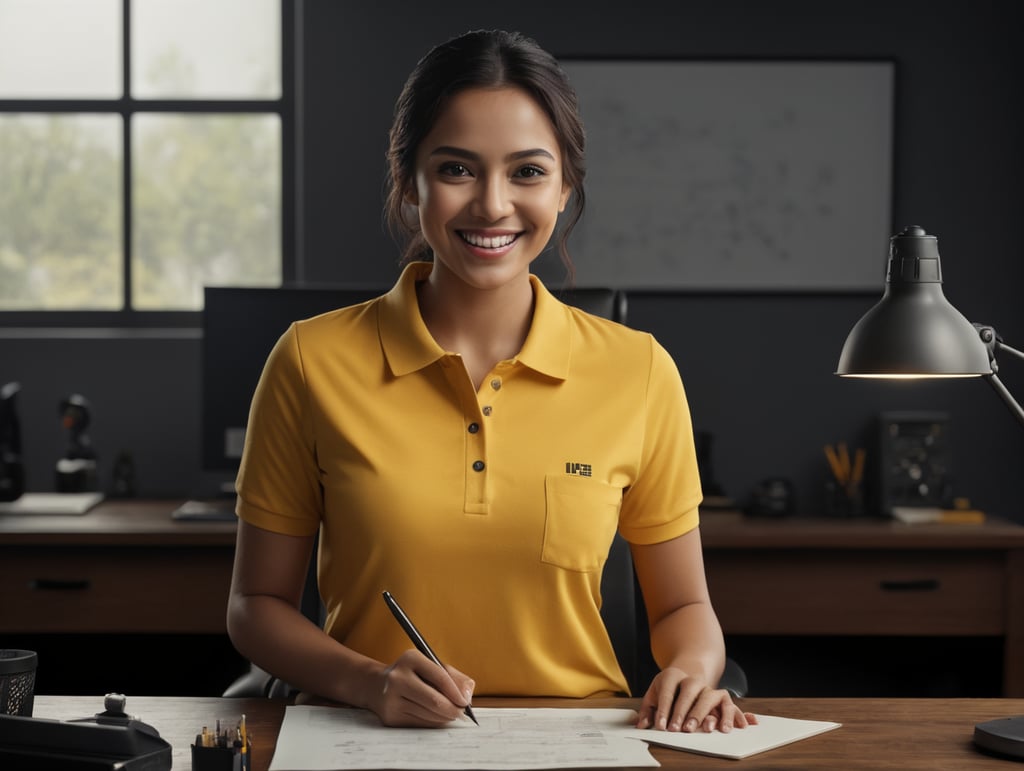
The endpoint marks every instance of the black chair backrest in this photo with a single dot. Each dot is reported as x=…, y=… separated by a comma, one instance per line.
x=601, y=301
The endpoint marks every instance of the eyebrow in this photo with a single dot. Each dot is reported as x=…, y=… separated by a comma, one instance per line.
x=469, y=155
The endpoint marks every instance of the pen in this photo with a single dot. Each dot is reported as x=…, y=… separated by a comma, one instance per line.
x=417, y=640
x=245, y=744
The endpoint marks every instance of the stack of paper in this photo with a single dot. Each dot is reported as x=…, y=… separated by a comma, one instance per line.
x=334, y=739
x=51, y=503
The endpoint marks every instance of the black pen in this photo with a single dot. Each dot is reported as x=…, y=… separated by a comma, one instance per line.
x=417, y=640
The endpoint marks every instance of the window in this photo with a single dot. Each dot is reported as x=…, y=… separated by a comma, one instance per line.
x=141, y=155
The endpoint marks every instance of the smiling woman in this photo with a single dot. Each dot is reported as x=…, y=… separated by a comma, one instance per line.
x=472, y=444
x=132, y=198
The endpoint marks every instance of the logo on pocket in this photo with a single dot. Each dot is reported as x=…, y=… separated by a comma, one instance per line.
x=578, y=469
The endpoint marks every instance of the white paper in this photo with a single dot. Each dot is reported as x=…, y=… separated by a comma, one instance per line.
x=770, y=732
x=51, y=503
x=339, y=739
x=336, y=739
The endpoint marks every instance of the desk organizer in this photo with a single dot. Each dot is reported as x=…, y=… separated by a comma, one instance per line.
x=17, y=682
x=221, y=758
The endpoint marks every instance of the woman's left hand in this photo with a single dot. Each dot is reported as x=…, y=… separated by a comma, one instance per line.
x=677, y=702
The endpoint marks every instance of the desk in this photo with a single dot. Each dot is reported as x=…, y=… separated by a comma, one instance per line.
x=123, y=567
x=126, y=567
x=869, y=577
x=905, y=734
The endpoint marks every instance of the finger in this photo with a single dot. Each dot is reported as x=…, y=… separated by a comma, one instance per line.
x=706, y=709
x=464, y=684
x=742, y=719
x=686, y=698
x=440, y=680
x=667, y=698
x=417, y=691
x=648, y=707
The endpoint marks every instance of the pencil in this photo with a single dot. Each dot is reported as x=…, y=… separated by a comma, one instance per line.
x=417, y=640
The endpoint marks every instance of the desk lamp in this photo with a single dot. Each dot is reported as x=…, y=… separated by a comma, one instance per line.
x=914, y=332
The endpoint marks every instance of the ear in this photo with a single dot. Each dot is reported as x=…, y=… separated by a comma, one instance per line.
x=411, y=197
x=563, y=199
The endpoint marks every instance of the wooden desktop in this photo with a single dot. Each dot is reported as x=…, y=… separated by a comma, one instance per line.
x=126, y=567
x=904, y=734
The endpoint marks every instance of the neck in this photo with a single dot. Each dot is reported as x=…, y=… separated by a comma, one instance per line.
x=484, y=326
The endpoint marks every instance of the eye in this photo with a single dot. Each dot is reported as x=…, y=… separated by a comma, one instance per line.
x=530, y=172
x=453, y=169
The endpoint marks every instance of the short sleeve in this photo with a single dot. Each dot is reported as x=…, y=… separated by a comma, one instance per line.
x=278, y=482
x=662, y=503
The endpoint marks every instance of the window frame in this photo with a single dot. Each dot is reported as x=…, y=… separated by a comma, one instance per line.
x=127, y=107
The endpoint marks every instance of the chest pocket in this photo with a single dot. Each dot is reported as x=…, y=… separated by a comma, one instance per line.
x=580, y=520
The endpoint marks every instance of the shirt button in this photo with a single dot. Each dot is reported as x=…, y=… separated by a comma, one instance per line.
x=487, y=411
x=474, y=427
x=478, y=465
x=496, y=383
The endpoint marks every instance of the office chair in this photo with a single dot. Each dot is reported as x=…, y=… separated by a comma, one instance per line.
x=625, y=618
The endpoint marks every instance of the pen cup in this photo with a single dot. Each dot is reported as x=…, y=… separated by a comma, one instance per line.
x=843, y=502
x=221, y=758
x=17, y=681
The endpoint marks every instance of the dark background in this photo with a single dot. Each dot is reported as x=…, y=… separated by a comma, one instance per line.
x=757, y=367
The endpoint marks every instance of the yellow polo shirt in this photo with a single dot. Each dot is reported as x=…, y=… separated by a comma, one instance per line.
x=488, y=514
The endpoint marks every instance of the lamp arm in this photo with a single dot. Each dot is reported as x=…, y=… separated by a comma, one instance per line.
x=995, y=343
x=1012, y=403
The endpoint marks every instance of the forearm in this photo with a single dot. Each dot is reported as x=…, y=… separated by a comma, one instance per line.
x=275, y=636
x=690, y=638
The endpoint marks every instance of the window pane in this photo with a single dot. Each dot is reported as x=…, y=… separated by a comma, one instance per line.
x=60, y=212
x=207, y=206
x=230, y=49
x=60, y=49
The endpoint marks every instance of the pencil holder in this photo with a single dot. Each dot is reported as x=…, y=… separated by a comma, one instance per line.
x=843, y=502
x=17, y=682
x=221, y=758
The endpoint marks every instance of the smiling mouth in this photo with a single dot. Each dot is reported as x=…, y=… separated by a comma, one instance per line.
x=488, y=242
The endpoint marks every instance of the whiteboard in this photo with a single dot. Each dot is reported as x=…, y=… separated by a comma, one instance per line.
x=725, y=175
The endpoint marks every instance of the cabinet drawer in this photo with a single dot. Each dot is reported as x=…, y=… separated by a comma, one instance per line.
x=114, y=589
x=858, y=593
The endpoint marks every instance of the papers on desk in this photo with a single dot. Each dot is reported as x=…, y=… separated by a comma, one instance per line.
x=769, y=733
x=51, y=503
x=340, y=739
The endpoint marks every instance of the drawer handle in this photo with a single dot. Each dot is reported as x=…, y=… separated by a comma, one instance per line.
x=914, y=585
x=60, y=584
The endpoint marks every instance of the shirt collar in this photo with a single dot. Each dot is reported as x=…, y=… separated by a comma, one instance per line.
x=408, y=345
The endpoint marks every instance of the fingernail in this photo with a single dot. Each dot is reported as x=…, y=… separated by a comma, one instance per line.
x=691, y=725
x=468, y=695
x=662, y=722
x=726, y=727
x=643, y=722
x=710, y=722
x=676, y=724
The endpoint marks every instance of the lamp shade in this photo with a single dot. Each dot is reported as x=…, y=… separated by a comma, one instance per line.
x=913, y=331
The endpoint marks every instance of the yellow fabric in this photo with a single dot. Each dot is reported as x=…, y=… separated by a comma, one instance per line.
x=363, y=426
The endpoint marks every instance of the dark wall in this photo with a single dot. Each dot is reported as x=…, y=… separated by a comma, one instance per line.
x=757, y=368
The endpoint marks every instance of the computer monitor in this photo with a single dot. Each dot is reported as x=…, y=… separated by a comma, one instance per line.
x=240, y=327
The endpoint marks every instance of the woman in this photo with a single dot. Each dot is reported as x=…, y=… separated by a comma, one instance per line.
x=471, y=444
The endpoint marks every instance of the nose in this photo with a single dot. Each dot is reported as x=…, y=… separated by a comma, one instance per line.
x=493, y=199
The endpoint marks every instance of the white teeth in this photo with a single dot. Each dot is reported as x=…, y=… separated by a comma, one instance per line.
x=492, y=242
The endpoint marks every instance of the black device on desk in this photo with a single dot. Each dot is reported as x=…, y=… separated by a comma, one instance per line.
x=108, y=740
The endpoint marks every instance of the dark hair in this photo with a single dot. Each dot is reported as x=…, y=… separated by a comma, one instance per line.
x=481, y=59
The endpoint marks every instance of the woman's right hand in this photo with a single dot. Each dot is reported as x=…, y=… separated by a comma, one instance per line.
x=415, y=692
